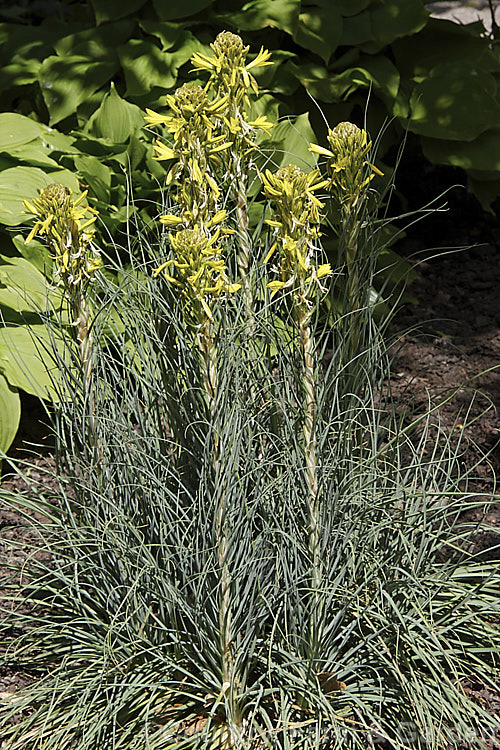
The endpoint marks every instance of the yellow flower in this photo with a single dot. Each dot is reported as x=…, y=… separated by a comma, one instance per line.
x=346, y=161
x=197, y=266
x=66, y=223
x=228, y=66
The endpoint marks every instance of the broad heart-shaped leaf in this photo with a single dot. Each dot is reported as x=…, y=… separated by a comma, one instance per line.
x=168, y=33
x=372, y=70
x=24, y=183
x=67, y=81
x=171, y=10
x=146, y=66
x=381, y=23
x=443, y=43
x=35, y=154
x=96, y=43
x=10, y=414
x=393, y=19
x=115, y=119
x=17, y=130
x=27, y=359
x=24, y=288
x=453, y=107
x=482, y=154
x=289, y=143
x=319, y=30
x=258, y=14
x=112, y=10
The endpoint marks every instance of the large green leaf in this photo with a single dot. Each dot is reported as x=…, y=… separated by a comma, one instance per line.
x=393, y=19
x=169, y=34
x=35, y=154
x=373, y=70
x=382, y=23
x=443, y=42
x=24, y=183
x=258, y=14
x=35, y=252
x=17, y=130
x=23, y=287
x=319, y=30
x=453, y=108
x=112, y=10
x=290, y=141
x=26, y=359
x=67, y=81
x=10, y=414
x=170, y=10
x=115, y=119
x=96, y=43
x=146, y=66
x=482, y=154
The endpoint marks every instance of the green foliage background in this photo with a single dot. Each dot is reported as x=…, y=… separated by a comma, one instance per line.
x=76, y=77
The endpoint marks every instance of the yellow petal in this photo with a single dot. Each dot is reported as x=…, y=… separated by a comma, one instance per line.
x=319, y=150
x=170, y=220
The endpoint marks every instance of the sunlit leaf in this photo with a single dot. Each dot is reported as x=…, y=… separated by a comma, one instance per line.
x=319, y=30
x=67, y=81
x=10, y=413
x=24, y=359
x=258, y=14
x=95, y=174
x=111, y=10
x=16, y=130
x=116, y=118
x=168, y=33
x=96, y=43
x=453, y=108
x=23, y=287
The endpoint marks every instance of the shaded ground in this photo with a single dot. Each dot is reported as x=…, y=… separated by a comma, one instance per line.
x=450, y=337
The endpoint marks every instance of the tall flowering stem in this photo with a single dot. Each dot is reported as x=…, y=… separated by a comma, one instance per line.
x=67, y=226
x=296, y=231
x=198, y=270
x=349, y=174
x=232, y=79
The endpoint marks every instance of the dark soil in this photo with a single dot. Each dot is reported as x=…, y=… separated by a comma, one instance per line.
x=448, y=342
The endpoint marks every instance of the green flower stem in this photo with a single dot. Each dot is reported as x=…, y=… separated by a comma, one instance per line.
x=303, y=318
x=208, y=348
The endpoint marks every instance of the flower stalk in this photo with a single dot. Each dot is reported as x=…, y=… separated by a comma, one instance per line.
x=295, y=223
x=67, y=226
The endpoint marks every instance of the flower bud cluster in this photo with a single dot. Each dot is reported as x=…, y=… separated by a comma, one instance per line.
x=348, y=171
x=206, y=125
x=296, y=222
x=68, y=226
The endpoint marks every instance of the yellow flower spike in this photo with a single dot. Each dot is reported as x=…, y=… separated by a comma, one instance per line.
x=261, y=60
x=66, y=224
x=345, y=165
